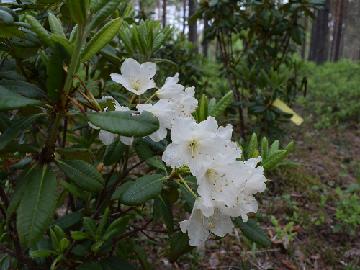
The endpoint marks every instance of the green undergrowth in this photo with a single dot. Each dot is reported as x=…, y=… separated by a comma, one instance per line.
x=333, y=93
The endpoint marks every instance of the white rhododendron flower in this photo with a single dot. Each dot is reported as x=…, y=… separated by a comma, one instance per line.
x=231, y=185
x=171, y=89
x=183, y=100
x=136, y=77
x=195, y=144
x=186, y=103
x=199, y=226
x=163, y=111
x=225, y=185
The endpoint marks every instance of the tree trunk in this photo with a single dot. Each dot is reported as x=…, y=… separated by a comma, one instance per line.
x=164, y=4
x=338, y=30
x=303, y=46
x=184, y=16
x=192, y=24
x=319, y=44
x=205, y=42
x=141, y=9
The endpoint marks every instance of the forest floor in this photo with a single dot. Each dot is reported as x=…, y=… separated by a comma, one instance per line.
x=305, y=232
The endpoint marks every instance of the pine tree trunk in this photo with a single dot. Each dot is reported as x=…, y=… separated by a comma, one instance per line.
x=141, y=9
x=164, y=5
x=303, y=46
x=184, y=16
x=193, y=24
x=205, y=43
x=319, y=44
x=338, y=30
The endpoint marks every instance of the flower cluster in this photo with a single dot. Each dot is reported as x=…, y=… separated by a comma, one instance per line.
x=225, y=184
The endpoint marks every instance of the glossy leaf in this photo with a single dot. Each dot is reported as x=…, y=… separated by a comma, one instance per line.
x=252, y=150
x=23, y=88
x=39, y=30
x=55, y=25
x=143, y=189
x=101, y=38
x=10, y=100
x=37, y=206
x=102, y=10
x=274, y=159
x=82, y=174
x=15, y=129
x=78, y=10
x=222, y=104
x=125, y=123
x=253, y=232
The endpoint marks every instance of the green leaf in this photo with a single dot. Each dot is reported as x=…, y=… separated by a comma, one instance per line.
x=5, y=17
x=202, y=110
x=23, y=88
x=82, y=174
x=117, y=227
x=252, y=150
x=102, y=10
x=114, y=152
x=15, y=129
x=75, y=190
x=143, y=149
x=222, y=104
x=90, y=226
x=274, y=147
x=78, y=10
x=55, y=25
x=37, y=206
x=64, y=43
x=143, y=189
x=264, y=148
x=274, y=159
x=125, y=123
x=78, y=235
x=163, y=210
x=253, y=232
x=55, y=72
x=157, y=163
x=69, y=220
x=101, y=38
x=290, y=147
x=121, y=189
x=39, y=30
x=10, y=100
x=21, y=185
x=42, y=253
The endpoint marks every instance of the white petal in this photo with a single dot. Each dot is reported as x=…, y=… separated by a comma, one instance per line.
x=148, y=69
x=130, y=67
x=159, y=135
x=106, y=137
x=222, y=224
x=122, y=80
x=126, y=140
